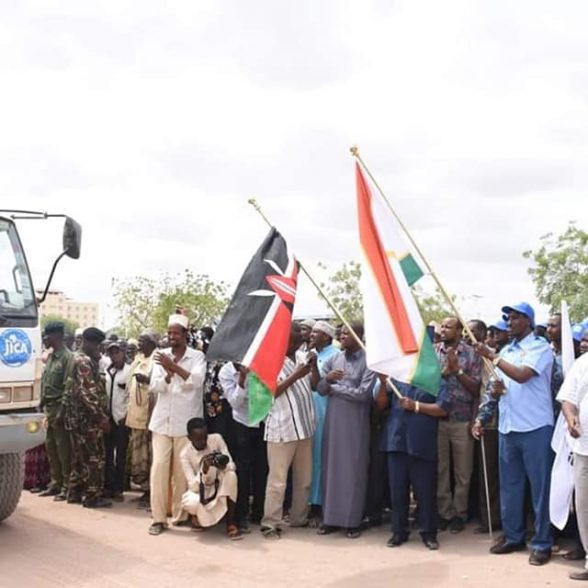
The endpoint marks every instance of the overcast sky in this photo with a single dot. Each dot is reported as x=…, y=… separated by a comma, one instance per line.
x=153, y=122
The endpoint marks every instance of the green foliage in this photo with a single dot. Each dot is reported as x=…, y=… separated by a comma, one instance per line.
x=433, y=307
x=70, y=326
x=342, y=287
x=560, y=271
x=147, y=303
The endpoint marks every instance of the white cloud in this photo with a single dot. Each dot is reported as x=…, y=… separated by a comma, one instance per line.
x=153, y=123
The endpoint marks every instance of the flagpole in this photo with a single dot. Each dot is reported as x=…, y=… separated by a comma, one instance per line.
x=355, y=152
x=320, y=290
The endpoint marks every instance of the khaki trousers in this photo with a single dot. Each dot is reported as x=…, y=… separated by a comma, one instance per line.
x=280, y=457
x=581, y=483
x=455, y=441
x=166, y=465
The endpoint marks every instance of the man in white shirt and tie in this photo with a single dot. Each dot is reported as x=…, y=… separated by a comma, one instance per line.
x=177, y=381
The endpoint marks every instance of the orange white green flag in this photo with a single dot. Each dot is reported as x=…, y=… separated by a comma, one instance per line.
x=397, y=342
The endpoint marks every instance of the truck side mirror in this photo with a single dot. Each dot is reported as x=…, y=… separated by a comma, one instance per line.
x=72, y=238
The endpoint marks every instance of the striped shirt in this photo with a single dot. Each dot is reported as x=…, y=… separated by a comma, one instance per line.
x=291, y=417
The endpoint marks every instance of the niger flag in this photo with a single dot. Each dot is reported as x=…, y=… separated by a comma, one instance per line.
x=255, y=328
x=396, y=339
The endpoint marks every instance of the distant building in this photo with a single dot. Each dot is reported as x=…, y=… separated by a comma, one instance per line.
x=58, y=304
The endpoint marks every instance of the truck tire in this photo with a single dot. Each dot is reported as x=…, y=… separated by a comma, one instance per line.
x=11, y=480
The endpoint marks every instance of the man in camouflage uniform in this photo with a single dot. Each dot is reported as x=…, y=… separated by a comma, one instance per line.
x=57, y=442
x=87, y=420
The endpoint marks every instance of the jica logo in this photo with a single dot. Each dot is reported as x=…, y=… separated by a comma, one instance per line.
x=15, y=347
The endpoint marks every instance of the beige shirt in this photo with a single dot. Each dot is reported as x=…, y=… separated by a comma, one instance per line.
x=138, y=411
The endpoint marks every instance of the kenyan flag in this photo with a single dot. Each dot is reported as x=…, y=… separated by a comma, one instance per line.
x=255, y=328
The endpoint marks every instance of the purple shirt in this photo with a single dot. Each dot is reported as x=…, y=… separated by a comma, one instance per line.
x=462, y=401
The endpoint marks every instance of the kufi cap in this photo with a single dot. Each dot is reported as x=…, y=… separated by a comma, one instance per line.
x=132, y=342
x=79, y=332
x=325, y=328
x=151, y=335
x=93, y=334
x=113, y=345
x=178, y=319
x=308, y=323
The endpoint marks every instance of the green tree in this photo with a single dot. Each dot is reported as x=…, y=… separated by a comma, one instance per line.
x=560, y=271
x=342, y=287
x=147, y=302
x=433, y=306
x=70, y=326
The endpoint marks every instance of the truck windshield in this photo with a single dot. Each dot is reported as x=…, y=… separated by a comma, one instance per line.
x=17, y=297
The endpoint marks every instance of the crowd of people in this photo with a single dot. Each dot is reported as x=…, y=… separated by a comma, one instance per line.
x=342, y=448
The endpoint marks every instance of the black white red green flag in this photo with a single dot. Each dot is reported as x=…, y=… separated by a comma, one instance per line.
x=255, y=328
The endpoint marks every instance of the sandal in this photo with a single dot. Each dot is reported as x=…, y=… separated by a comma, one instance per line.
x=326, y=530
x=271, y=532
x=156, y=529
x=354, y=533
x=234, y=533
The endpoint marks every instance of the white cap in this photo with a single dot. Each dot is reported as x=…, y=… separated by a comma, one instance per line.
x=178, y=319
x=326, y=328
x=79, y=332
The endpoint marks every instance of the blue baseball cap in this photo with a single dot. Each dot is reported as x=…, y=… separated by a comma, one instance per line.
x=522, y=308
x=500, y=325
x=578, y=332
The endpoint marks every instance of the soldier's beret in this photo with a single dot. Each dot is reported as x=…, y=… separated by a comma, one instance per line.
x=54, y=328
x=93, y=334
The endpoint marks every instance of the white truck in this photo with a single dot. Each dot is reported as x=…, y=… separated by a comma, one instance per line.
x=21, y=422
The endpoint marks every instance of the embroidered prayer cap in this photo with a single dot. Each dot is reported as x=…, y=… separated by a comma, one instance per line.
x=325, y=328
x=179, y=320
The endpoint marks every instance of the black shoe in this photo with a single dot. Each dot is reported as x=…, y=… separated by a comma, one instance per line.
x=74, y=499
x=397, y=540
x=539, y=558
x=575, y=554
x=504, y=547
x=97, y=503
x=184, y=523
x=456, y=525
x=62, y=496
x=443, y=524
x=431, y=543
x=581, y=575
x=54, y=491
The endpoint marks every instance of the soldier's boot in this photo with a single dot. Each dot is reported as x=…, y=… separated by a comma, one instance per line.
x=97, y=502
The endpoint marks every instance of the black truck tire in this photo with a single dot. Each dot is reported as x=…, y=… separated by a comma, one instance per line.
x=11, y=480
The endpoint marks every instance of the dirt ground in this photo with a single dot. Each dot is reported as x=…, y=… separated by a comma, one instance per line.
x=49, y=544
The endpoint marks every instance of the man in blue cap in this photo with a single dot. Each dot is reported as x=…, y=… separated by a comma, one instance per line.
x=525, y=430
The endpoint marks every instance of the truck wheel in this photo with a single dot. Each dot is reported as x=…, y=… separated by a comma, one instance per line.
x=11, y=480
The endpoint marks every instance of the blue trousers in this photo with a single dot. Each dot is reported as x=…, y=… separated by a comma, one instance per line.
x=522, y=456
x=405, y=471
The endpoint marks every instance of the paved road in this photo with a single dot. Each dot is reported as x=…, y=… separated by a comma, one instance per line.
x=49, y=544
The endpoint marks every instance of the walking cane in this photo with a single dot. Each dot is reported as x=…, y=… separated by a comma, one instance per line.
x=486, y=487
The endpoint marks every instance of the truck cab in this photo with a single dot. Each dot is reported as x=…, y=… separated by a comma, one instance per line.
x=21, y=423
